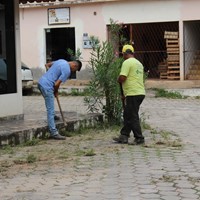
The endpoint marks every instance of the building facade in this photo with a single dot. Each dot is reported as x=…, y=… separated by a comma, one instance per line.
x=164, y=33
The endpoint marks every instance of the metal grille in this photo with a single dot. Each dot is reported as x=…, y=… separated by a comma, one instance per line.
x=150, y=45
x=192, y=50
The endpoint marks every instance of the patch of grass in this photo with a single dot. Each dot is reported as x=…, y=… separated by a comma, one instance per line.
x=163, y=138
x=32, y=142
x=19, y=161
x=143, y=123
x=79, y=152
x=4, y=166
x=63, y=155
x=159, y=137
x=145, y=126
x=167, y=178
x=176, y=143
x=7, y=149
x=67, y=133
x=168, y=94
x=89, y=152
x=74, y=92
x=31, y=158
x=165, y=134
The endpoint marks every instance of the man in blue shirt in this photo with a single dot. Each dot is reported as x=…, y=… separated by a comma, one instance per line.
x=58, y=72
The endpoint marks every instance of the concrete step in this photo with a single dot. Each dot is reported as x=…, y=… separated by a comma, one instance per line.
x=14, y=132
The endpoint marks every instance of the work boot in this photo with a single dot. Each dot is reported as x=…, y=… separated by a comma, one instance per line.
x=123, y=139
x=57, y=137
x=56, y=118
x=138, y=141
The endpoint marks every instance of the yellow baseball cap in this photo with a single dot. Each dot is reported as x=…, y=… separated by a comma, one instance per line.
x=127, y=47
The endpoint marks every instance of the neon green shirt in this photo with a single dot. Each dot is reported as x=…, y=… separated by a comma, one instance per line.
x=134, y=71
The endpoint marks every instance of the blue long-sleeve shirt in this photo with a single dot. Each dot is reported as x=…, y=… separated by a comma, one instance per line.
x=60, y=70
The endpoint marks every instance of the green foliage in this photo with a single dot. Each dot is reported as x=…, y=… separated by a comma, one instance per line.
x=76, y=55
x=7, y=149
x=76, y=92
x=89, y=152
x=103, y=89
x=32, y=142
x=116, y=31
x=167, y=94
x=31, y=158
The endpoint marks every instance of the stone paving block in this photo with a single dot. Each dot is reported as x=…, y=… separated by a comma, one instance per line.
x=169, y=197
x=134, y=172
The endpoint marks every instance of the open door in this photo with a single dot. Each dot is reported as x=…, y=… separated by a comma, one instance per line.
x=58, y=41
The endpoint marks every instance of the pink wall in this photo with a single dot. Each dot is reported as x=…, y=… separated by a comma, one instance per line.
x=34, y=22
x=190, y=10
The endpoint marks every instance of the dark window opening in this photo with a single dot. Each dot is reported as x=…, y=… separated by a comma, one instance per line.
x=58, y=42
x=191, y=50
x=150, y=44
x=7, y=48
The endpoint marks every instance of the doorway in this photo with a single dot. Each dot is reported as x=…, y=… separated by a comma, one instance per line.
x=149, y=44
x=191, y=50
x=58, y=43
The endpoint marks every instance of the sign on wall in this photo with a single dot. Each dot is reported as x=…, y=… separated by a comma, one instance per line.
x=58, y=16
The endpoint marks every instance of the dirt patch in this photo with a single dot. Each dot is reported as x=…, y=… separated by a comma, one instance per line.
x=53, y=152
x=44, y=153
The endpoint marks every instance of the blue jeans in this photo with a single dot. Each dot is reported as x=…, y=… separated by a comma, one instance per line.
x=49, y=102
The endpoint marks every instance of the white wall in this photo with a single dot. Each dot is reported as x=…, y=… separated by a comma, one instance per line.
x=12, y=104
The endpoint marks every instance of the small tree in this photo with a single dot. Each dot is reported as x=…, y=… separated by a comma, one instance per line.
x=103, y=89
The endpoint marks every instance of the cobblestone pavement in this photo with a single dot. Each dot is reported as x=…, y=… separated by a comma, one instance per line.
x=131, y=173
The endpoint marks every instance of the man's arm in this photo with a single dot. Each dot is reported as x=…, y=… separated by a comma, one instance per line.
x=56, y=87
x=121, y=78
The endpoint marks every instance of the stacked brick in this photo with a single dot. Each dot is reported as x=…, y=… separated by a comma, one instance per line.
x=170, y=67
x=194, y=69
x=162, y=68
x=173, y=58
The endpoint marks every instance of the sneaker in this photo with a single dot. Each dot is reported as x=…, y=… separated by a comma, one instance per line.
x=56, y=118
x=57, y=137
x=123, y=139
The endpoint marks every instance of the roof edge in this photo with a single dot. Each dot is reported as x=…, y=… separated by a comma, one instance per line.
x=64, y=2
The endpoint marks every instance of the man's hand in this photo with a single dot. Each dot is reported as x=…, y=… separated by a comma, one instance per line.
x=55, y=92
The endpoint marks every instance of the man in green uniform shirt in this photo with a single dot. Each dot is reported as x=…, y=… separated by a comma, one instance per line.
x=132, y=80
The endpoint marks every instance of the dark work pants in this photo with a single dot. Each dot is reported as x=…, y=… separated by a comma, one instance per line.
x=131, y=117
